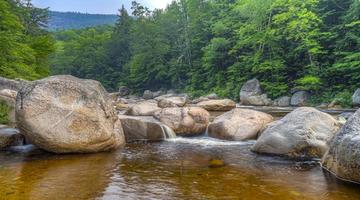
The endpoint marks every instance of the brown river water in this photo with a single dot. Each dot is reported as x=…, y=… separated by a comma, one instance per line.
x=182, y=168
x=176, y=169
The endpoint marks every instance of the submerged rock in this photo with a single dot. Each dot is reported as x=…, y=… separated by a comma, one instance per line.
x=64, y=114
x=239, y=124
x=144, y=108
x=144, y=129
x=305, y=132
x=356, y=98
x=217, y=105
x=343, y=157
x=185, y=121
x=251, y=94
x=10, y=137
x=300, y=98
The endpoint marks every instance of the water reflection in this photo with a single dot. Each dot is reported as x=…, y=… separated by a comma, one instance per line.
x=176, y=169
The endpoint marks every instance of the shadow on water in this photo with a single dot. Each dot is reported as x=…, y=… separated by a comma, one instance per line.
x=196, y=168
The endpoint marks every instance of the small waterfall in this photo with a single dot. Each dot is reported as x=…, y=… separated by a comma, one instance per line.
x=207, y=131
x=167, y=132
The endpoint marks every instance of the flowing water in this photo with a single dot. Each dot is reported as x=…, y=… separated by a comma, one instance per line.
x=179, y=168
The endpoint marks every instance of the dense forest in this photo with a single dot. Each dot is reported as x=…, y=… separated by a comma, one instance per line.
x=73, y=20
x=215, y=46
x=24, y=44
x=197, y=46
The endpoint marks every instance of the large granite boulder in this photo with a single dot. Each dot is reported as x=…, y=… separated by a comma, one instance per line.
x=356, y=98
x=239, y=124
x=185, y=121
x=217, y=105
x=10, y=137
x=144, y=129
x=282, y=101
x=64, y=114
x=305, y=132
x=343, y=157
x=251, y=94
x=169, y=102
x=9, y=97
x=300, y=98
x=144, y=108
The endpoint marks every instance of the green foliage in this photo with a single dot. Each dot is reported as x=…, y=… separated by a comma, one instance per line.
x=4, y=113
x=201, y=46
x=24, y=45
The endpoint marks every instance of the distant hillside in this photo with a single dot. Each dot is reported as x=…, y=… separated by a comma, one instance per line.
x=72, y=20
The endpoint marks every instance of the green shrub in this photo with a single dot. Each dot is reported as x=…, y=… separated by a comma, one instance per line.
x=4, y=113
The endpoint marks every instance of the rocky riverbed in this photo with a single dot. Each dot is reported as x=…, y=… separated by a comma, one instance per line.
x=222, y=141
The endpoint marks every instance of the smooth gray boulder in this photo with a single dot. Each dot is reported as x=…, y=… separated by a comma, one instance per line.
x=305, y=132
x=239, y=124
x=300, y=98
x=186, y=121
x=282, y=101
x=124, y=91
x=10, y=137
x=343, y=157
x=251, y=94
x=148, y=95
x=64, y=114
x=356, y=98
x=144, y=129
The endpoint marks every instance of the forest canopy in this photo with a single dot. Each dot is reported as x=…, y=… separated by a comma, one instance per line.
x=215, y=46
x=196, y=46
x=24, y=44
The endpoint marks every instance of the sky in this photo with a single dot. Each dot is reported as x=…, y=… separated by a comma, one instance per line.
x=95, y=6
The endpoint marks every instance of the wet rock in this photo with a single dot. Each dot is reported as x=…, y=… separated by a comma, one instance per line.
x=251, y=94
x=343, y=157
x=305, y=132
x=10, y=137
x=9, y=84
x=185, y=121
x=64, y=114
x=172, y=102
x=148, y=95
x=124, y=91
x=144, y=108
x=9, y=97
x=239, y=124
x=300, y=98
x=282, y=101
x=217, y=105
x=356, y=98
x=144, y=129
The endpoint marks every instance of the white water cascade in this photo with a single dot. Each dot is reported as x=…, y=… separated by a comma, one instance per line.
x=168, y=132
